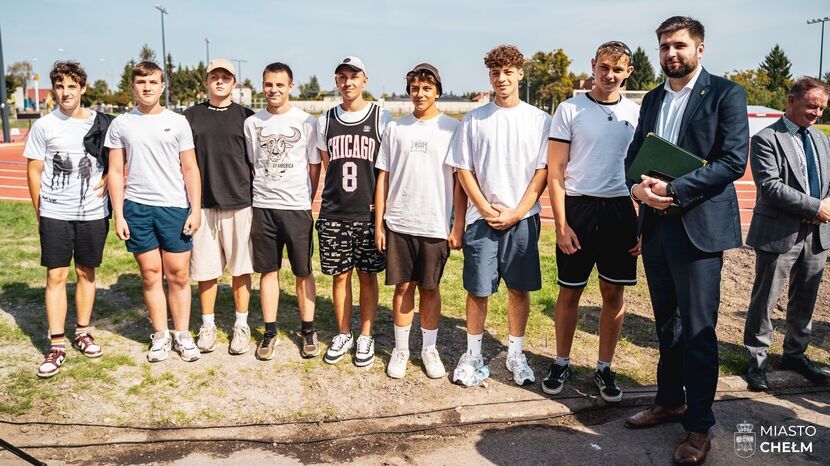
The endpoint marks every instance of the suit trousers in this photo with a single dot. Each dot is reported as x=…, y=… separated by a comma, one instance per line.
x=804, y=264
x=684, y=283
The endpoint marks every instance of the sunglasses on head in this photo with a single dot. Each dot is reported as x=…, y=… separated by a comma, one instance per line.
x=616, y=45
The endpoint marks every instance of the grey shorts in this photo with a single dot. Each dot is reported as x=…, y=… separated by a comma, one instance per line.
x=511, y=255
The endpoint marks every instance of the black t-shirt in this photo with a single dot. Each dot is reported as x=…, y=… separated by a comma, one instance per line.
x=220, y=153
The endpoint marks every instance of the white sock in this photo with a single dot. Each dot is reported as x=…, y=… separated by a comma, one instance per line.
x=474, y=344
x=515, y=344
x=241, y=318
x=402, y=337
x=562, y=361
x=601, y=365
x=207, y=320
x=430, y=337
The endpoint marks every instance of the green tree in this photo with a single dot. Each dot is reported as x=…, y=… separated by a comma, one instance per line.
x=776, y=66
x=147, y=54
x=96, y=93
x=311, y=89
x=642, y=79
x=17, y=75
x=756, y=85
x=550, y=80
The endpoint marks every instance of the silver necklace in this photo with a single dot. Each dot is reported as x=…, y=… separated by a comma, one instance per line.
x=601, y=107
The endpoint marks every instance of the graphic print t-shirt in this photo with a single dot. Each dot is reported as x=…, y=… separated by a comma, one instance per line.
x=352, y=140
x=70, y=175
x=220, y=153
x=280, y=148
x=153, y=144
x=419, y=201
x=503, y=147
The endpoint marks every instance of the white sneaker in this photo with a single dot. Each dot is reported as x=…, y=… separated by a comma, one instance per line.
x=340, y=345
x=365, y=353
x=206, y=340
x=241, y=341
x=397, y=364
x=160, y=347
x=432, y=363
x=522, y=373
x=186, y=347
x=470, y=370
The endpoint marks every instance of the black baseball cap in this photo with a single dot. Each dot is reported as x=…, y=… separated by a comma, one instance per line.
x=425, y=67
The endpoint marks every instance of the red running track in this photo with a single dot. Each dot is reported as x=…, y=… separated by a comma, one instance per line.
x=13, y=185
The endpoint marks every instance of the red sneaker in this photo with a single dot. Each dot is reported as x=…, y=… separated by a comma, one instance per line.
x=52, y=362
x=86, y=344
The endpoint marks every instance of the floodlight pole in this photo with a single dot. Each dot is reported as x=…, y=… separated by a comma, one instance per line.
x=3, y=96
x=163, y=12
x=821, y=44
x=239, y=68
x=207, y=51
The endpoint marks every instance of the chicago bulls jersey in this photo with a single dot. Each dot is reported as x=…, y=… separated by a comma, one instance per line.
x=349, y=187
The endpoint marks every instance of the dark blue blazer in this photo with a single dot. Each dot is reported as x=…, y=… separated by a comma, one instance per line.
x=714, y=127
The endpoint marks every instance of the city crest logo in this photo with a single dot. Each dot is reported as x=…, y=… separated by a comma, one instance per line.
x=745, y=440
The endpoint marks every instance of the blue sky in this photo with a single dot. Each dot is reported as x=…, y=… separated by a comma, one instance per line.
x=392, y=36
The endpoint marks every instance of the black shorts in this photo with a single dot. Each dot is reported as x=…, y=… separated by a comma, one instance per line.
x=273, y=229
x=606, y=229
x=348, y=244
x=60, y=240
x=412, y=258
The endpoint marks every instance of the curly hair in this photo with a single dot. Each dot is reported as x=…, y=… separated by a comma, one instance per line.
x=67, y=69
x=504, y=55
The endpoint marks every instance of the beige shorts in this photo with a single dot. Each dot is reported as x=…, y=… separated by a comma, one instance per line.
x=223, y=239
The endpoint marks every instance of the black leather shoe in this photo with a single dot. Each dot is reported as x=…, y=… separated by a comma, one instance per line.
x=756, y=379
x=805, y=367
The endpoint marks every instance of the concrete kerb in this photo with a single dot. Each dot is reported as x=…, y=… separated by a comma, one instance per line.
x=534, y=409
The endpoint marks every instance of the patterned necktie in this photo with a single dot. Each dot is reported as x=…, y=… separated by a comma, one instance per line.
x=812, y=170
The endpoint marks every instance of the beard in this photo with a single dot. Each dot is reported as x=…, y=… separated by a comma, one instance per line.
x=685, y=68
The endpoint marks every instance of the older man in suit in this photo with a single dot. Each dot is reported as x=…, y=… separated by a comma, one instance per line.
x=790, y=163
x=683, y=246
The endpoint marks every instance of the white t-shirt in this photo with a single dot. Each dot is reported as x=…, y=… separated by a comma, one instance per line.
x=419, y=201
x=348, y=117
x=70, y=175
x=503, y=147
x=280, y=148
x=153, y=144
x=596, y=162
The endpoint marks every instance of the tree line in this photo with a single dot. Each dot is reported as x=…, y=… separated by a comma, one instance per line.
x=549, y=80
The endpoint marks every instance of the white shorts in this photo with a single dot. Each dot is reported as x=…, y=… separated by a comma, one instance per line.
x=223, y=239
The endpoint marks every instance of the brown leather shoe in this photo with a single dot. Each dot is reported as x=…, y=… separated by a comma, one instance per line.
x=693, y=448
x=655, y=415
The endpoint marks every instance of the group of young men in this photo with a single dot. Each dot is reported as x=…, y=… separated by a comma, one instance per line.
x=222, y=186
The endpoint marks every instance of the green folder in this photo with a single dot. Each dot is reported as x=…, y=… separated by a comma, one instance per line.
x=661, y=159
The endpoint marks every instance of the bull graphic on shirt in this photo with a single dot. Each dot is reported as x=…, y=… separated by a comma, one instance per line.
x=61, y=169
x=276, y=147
x=84, y=173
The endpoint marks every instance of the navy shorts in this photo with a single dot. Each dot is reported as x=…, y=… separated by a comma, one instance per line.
x=606, y=229
x=492, y=255
x=61, y=240
x=152, y=227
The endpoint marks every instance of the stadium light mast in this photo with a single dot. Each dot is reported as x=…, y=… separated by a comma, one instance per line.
x=207, y=51
x=163, y=12
x=239, y=68
x=821, y=44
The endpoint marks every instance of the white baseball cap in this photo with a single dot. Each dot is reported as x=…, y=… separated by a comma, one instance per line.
x=355, y=63
x=221, y=63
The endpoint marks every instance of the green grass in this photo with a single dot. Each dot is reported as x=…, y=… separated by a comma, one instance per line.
x=825, y=128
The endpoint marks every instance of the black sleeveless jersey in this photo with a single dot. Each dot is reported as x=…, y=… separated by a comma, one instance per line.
x=349, y=187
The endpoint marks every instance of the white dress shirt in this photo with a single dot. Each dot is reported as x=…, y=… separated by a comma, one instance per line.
x=672, y=108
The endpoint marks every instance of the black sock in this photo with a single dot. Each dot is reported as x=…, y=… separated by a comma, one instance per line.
x=307, y=327
x=271, y=328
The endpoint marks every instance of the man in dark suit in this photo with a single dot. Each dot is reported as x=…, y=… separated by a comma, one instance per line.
x=686, y=225
x=791, y=167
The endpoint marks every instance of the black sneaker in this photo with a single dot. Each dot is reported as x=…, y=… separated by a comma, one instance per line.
x=608, y=389
x=553, y=383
